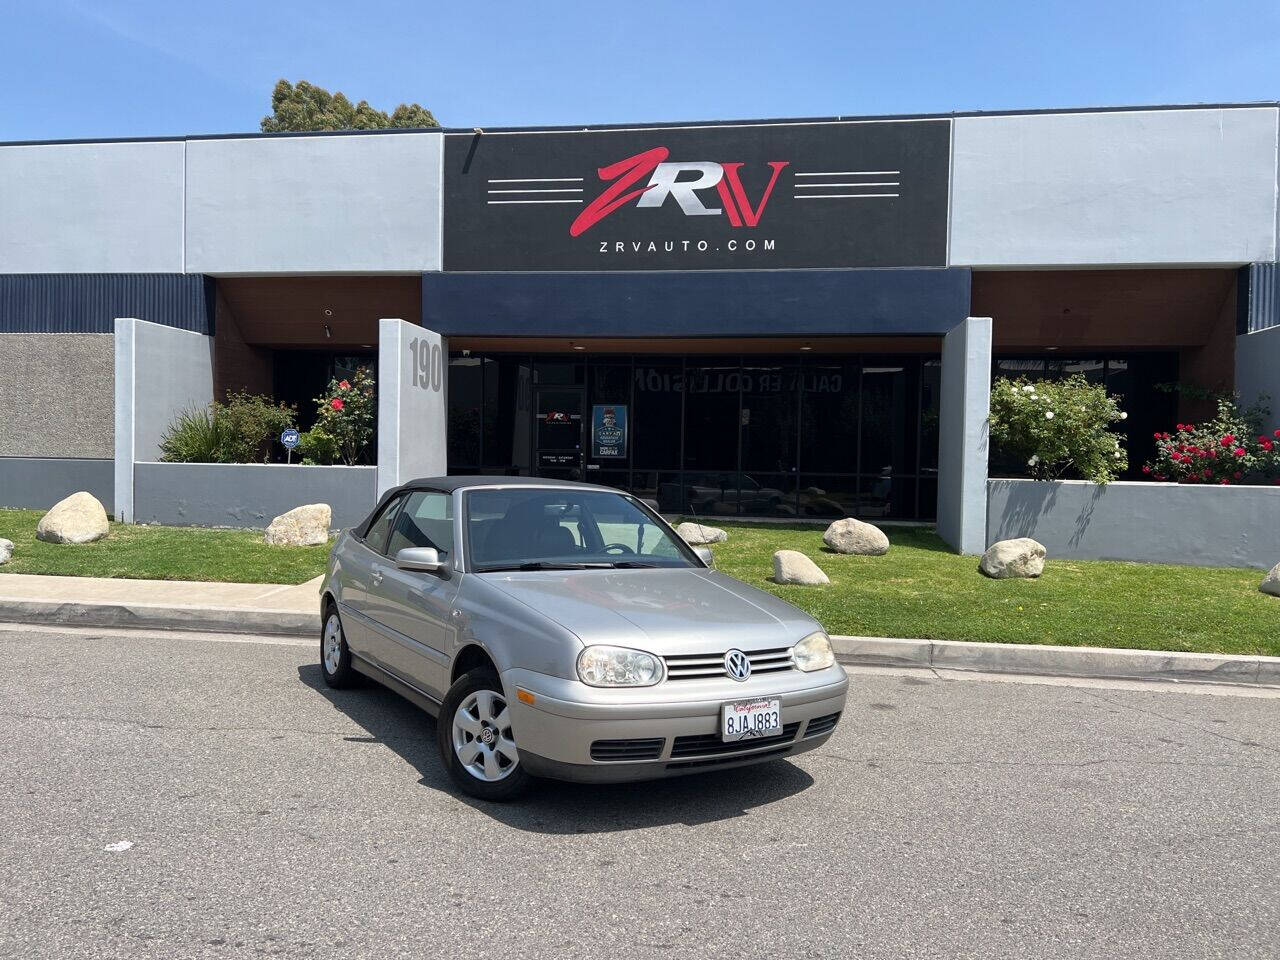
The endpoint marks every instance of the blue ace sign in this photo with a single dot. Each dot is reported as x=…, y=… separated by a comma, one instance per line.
x=609, y=431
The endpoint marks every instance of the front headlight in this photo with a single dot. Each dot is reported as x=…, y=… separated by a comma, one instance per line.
x=618, y=667
x=813, y=652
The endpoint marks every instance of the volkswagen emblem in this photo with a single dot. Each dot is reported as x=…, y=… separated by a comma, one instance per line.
x=737, y=665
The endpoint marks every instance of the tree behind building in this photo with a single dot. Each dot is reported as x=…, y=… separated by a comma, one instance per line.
x=304, y=107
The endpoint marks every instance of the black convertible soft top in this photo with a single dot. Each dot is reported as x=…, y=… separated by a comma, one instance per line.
x=450, y=484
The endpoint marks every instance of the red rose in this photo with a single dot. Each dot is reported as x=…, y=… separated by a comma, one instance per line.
x=336, y=403
x=343, y=385
x=1213, y=454
x=1238, y=451
x=1224, y=481
x=1237, y=474
x=1146, y=469
x=1277, y=434
x=1208, y=474
x=1227, y=441
x=1267, y=445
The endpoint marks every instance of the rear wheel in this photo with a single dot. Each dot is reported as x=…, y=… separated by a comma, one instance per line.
x=335, y=655
x=475, y=738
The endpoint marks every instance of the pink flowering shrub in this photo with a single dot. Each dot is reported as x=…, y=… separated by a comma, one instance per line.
x=1228, y=450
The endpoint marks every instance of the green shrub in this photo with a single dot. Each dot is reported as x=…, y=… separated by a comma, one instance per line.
x=1058, y=428
x=242, y=430
x=318, y=448
x=200, y=435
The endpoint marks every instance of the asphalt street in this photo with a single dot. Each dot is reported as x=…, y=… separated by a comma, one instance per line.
x=194, y=796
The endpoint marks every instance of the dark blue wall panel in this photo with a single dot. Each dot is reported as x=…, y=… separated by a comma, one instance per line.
x=701, y=303
x=90, y=302
x=1258, y=297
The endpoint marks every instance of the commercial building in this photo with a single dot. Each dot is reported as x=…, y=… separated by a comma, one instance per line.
x=777, y=318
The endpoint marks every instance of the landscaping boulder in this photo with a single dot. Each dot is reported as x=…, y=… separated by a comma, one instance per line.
x=80, y=518
x=1270, y=583
x=792, y=566
x=855, y=537
x=6, y=550
x=699, y=535
x=305, y=526
x=1022, y=557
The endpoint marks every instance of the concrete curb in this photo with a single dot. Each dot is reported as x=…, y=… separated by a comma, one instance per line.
x=1095, y=662
x=153, y=617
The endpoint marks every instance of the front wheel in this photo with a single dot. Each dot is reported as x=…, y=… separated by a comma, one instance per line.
x=335, y=655
x=475, y=738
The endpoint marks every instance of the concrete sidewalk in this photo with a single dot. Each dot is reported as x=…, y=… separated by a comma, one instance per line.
x=268, y=608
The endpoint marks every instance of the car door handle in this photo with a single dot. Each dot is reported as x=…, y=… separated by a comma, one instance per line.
x=377, y=577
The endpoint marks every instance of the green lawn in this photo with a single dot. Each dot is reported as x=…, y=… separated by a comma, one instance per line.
x=160, y=553
x=920, y=589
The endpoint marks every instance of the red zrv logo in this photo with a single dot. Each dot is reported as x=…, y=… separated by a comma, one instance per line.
x=664, y=182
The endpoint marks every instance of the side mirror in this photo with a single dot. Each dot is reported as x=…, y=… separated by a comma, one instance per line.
x=705, y=555
x=425, y=559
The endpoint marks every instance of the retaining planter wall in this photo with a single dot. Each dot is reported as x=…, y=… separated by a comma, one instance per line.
x=247, y=494
x=1148, y=522
x=37, y=483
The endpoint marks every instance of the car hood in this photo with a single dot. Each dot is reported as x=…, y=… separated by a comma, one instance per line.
x=662, y=611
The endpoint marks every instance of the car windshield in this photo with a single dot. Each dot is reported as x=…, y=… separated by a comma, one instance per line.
x=530, y=528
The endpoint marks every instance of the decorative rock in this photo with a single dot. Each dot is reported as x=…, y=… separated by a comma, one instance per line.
x=856, y=537
x=792, y=566
x=699, y=535
x=80, y=518
x=1270, y=583
x=6, y=550
x=1004, y=559
x=305, y=526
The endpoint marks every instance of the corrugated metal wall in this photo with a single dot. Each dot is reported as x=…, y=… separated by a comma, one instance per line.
x=90, y=302
x=1259, y=298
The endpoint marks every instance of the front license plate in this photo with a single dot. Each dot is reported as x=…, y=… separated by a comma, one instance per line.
x=750, y=719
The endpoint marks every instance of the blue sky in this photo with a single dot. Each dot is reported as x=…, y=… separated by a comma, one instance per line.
x=99, y=68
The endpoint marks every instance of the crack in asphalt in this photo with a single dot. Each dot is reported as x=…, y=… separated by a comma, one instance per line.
x=1252, y=744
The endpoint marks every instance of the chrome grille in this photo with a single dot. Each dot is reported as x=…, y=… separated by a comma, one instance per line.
x=699, y=666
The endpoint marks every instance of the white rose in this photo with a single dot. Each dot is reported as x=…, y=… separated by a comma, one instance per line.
x=1028, y=389
x=1123, y=415
x=1033, y=461
x=1048, y=414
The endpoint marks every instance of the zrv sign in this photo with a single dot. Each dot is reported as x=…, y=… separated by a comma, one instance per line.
x=763, y=196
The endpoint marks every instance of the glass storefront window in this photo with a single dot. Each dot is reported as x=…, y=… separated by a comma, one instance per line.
x=815, y=437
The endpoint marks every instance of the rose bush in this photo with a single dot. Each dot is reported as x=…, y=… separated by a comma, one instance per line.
x=1058, y=428
x=346, y=414
x=1230, y=449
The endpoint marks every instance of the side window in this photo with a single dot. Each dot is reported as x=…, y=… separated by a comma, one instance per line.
x=425, y=521
x=380, y=529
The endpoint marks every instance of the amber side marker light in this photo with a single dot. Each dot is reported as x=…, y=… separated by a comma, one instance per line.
x=524, y=696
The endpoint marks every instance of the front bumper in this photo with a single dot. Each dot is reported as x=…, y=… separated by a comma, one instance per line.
x=556, y=733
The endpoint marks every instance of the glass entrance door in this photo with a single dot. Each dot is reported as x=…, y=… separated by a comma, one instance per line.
x=559, y=432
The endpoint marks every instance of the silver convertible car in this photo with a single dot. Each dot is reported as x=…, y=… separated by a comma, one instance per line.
x=564, y=630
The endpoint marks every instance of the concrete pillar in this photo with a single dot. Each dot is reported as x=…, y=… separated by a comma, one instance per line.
x=963, y=436
x=413, y=414
x=160, y=372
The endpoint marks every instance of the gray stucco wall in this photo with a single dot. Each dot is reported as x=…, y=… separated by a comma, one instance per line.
x=57, y=395
x=963, y=435
x=91, y=208
x=1258, y=370
x=1209, y=526
x=304, y=204
x=40, y=483
x=1136, y=187
x=248, y=494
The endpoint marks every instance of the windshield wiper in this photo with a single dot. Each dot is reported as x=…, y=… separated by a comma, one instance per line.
x=543, y=565
x=632, y=565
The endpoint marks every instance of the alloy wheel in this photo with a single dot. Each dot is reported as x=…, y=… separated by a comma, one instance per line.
x=482, y=737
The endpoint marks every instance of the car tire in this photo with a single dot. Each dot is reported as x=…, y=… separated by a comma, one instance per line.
x=479, y=753
x=335, y=655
